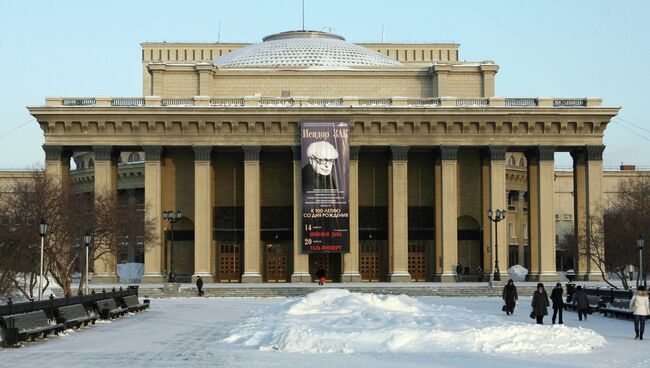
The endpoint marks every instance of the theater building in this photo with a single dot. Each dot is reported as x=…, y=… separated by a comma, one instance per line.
x=429, y=150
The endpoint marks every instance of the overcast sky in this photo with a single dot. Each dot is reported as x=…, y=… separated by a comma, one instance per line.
x=544, y=48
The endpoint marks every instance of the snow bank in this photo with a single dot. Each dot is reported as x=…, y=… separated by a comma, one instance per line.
x=337, y=321
x=518, y=273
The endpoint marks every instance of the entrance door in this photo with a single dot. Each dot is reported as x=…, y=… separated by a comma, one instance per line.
x=331, y=263
x=417, y=261
x=370, y=260
x=277, y=261
x=229, y=262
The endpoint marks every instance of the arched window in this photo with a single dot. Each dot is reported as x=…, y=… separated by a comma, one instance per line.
x=82, y=164
x=511, y=161
x=91, y=163
x=522, y=162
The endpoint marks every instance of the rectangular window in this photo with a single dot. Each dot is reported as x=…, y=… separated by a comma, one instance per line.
x=567, y=216
x=511, y=230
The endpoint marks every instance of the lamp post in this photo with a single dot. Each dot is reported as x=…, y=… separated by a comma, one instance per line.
x=87, y=239
x=172, y=217
x=495, y=217
x=42, y=231
x=640, y=243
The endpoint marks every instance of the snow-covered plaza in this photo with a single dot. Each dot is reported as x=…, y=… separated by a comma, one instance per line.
x=336, y=328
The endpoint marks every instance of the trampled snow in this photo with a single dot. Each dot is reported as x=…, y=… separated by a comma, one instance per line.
x=337, y=321
x=191, y=332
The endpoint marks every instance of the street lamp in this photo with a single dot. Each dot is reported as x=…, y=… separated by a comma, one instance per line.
x=172, y=217
x=495, y=217
x=87, y=239
x=640, y=243
x=42, y=231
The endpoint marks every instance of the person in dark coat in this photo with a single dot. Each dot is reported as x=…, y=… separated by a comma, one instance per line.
x=510, y=297
x=479, y=273
x=540, y=303
x=320, y=275
x=199, y=285
x=581, y=303
x=558, y=303
x=459, y=271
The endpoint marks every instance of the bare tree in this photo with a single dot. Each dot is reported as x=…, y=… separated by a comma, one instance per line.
x=609, y=239
x=111, y=221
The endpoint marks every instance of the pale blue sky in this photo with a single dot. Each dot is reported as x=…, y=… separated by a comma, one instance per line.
x=544, y=48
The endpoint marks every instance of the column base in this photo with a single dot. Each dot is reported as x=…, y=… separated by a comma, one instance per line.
x=251, y=278
x=399, y=277
x=105, y=278
x=351, y=277
x=445, y=277
x=298, y=277
x=592, y=276
x=207, y=277
x=153, y=278
x=543, y=277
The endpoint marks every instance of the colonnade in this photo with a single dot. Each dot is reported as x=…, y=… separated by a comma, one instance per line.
x=587, y=190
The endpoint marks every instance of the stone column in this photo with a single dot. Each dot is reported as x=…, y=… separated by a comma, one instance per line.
x=532, y=157
x=205, y=78
x=105, y=185
x=153, y=253
x=486, y=224
x=594, y=185
x=57, y=165
x=398, y=231
x=448, y=203
x=252, y=259
x=157, y=79
x=300, y=259
x=203, y=257
x=351, y=260
x=580, y=211
x=542, y=216
x=488, y=72
x=498, y=201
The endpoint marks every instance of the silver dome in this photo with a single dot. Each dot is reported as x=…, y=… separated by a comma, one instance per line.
x=304, y=49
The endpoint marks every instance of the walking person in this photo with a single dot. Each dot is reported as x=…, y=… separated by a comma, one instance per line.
x=320, y=275
x=558, y=303
x=539, y=304
x=640, y=309
x=199, y=285
x=479, y=274
x=510, y=297
x=459, y=271
x=581, y=303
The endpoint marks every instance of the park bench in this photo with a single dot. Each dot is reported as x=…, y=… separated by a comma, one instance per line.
x=618, y=308
x=19, y=327
x=133, y=305
x=74, y=316
x=595, y=303
x=108, y=309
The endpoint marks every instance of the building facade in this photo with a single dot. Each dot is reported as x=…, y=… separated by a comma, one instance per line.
x=431, y=151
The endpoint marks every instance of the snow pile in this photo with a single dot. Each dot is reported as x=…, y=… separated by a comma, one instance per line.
x=130, y=272
x=518, y=273
x=337, y=321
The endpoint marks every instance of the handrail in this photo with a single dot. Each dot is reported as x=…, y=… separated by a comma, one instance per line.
x=520, y=102
x=472, y=102
x=325, y=102
x=569, y=102
x=226, y=101
x=276, y=101
x=423, y=102
x=379, y=102
x=178, y=101
x=127, y=101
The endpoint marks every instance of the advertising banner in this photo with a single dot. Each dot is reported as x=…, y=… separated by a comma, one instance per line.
x=325, y=180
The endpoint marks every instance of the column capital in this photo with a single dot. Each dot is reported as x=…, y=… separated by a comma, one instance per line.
x=399, y=153
x=354, y=152
x=448, y=153
x=546, y=153
x=595, y=153
x=53, y=152
x=497, y=153
x=202, y=153
x=296, y=151
x=252, y=153
x=152, y=153
x=579, y=156
x=103, y=153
